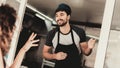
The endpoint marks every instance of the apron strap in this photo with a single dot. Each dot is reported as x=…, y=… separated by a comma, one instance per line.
x=58, y=35
x=72, y=36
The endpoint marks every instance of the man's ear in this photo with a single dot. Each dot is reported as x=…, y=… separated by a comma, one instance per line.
x=68, y=17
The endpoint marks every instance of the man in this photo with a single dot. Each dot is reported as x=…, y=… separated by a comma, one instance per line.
x=68, y=42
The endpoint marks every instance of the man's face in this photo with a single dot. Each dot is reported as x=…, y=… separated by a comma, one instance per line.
x=62, y=18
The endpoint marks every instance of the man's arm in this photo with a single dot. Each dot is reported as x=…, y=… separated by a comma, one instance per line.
x=85, y=49
x=87, y=46
x=48, y=55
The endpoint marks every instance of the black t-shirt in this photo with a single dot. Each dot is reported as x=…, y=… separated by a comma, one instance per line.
x=78, y=33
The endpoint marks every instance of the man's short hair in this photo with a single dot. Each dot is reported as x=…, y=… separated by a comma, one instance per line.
x=64, y=7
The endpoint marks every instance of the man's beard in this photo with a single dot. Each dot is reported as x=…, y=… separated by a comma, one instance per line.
x=63, y=24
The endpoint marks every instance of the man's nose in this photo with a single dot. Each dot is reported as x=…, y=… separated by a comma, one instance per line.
x=58, y=18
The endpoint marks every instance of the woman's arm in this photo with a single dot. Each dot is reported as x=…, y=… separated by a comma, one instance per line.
x=18, y=60
x=1, y=59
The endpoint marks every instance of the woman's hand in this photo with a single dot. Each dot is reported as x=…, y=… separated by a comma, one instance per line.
x=30, y=42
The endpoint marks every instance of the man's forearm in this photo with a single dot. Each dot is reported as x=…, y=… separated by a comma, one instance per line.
x=49, y=56
x=88, y=51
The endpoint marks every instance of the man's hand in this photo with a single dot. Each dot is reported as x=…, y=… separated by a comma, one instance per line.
x=91, y=43
x=60, y=56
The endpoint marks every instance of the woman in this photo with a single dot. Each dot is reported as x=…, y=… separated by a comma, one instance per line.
x=7, y=25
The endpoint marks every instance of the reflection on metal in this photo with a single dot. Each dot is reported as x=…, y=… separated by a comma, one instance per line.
x=102, y=45
x=40, y=16
x=32, y=8
x=49, y=21
x=47, y=63
x=118, y=28
x=91, y=36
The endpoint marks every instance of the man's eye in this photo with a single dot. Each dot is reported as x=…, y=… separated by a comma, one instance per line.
x=62, y=14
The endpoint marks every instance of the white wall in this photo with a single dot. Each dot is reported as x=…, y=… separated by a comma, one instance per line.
x=112, y=55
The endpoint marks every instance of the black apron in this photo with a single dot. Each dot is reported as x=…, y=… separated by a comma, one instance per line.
x=73, y=59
